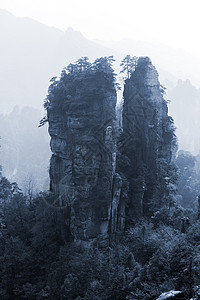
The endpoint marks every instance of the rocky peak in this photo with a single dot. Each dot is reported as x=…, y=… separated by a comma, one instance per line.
x=81, y=115
x=106, y=187
x=149, y=138
x=145, y=73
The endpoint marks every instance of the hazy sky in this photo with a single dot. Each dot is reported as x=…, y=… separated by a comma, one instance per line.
x=174, y=22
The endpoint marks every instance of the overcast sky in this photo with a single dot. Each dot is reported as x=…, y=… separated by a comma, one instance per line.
x=174, y=22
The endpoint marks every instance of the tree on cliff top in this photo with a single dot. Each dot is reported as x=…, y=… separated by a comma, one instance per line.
x=128, y=65
x=83, y=64
x=104, y=64
x=60, y=88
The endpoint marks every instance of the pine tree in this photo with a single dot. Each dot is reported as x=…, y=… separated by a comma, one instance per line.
x=128, y=65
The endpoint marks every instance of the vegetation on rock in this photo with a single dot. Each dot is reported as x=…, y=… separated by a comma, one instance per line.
x=116, y=223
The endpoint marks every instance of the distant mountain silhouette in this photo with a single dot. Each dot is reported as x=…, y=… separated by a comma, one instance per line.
x=171, y=63
x=32, y=53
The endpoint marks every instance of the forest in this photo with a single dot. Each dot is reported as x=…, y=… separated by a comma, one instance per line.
x=121, y=218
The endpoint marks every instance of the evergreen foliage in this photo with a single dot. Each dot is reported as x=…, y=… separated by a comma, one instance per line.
x=128, y=65
x=158, y=253
x=39, y=262
x=188, y=179
x=62, y=89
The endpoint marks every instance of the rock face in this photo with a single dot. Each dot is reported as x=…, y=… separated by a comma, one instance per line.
x=105, y=187
x=81, y=116
x=148, y=141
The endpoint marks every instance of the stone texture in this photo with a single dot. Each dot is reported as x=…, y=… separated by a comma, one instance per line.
x=147, y=140
x=106, y=187
x=83, y=161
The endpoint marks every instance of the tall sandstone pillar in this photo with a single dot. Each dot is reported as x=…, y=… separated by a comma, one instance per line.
x=148, y=142
x=81, y=116
x=101, y=193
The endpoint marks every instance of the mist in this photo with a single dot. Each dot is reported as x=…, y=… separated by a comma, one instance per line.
x=32, y=53
x=99, y=150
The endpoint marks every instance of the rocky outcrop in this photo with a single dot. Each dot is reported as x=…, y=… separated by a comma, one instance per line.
x=81, y=116
x=105, y=187
x=147, y=141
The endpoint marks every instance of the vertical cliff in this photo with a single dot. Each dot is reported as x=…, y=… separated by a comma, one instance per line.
x=81, y=116
x=147, y=143
x=104, y=194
